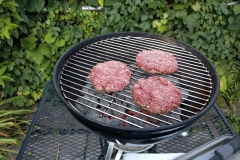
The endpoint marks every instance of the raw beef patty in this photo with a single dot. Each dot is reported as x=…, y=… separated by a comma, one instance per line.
x=110, y=76
x=157, y=94
x=155, y=61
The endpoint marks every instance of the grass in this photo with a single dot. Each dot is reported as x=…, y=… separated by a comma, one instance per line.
x=13, y=128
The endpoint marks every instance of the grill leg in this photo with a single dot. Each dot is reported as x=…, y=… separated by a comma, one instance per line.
x=109, y=151
x=153, y=149
x=103, y=146
x=119, y=154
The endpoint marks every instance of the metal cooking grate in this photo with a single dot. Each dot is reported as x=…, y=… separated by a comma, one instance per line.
x=192, y=77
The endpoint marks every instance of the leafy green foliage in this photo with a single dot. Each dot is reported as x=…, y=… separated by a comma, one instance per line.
x=4, y=77
x=236, y=9
x=101, y=2
x=229, y=73
x=196, y=7
x=34, y=5
x=10, y=130
x=234, y=120
x=33, y=42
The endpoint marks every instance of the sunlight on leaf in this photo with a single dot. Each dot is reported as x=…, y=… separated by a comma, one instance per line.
x=196, y=7
x=236, y=9
x=101, y=2
x=49, y=38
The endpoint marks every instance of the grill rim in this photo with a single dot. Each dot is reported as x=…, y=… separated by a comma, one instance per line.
x=62, y=61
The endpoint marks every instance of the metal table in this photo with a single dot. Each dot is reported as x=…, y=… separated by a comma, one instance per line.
x=55, y=134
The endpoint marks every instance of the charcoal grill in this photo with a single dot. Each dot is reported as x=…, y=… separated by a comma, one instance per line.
x=196, y=77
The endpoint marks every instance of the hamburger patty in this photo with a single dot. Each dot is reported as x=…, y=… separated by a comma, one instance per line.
x=155, y=61
x=110, y=76
x=157, y=94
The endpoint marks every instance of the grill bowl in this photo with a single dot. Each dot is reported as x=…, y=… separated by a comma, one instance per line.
x=132, y=135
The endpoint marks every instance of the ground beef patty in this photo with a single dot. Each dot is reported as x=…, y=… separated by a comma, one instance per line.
x=110, y=76
x=157, y=94
x=155, y=61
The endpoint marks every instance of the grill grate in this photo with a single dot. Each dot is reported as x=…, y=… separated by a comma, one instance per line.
x=192, y=77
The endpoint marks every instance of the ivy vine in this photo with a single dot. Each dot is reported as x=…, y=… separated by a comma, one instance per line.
x=34, y=34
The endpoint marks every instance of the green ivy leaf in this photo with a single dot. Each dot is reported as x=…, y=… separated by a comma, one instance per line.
x=144, y=17
x=222, y=22
x=219, y=71
x=77, y=32
x=10, y=41
x=138, y=2
x=25, y=91
x=24, y=17
x=236, y=9
x=155, y=23
x=15, y=33
x=137, y=15
x=117, y=5
x=52, y=5
x=22, y=61
x=29, y=42
x=17, y=62
x=35, y=55
x=223, y=7
x=115, y=18
x=20, y=101
x=177, y=6
x=112, y=12
x=172, y=14
x=165, y=15
x=17, y=54
x=24, y=28
x=44, y=50
x=104, y=30
x=5, y=33
x=164, y=21
x=29, y=102
x=65, y=5
x=93, y=3
x=2, y=70
x=144, y=26
x=49, y=38
x=11, y=66
x=131, y=9
x=161, y=28
x=26, y=77
x=16, y=71
x=11, y=5
x=181, y=13
x=191, y=20
x=234, y=24
x=36, y=80
x=8, y=27
x=34, y=5
x=196, y=7
x=67, y=37
x=110, y=2
x=60, y=42
x=35, y=95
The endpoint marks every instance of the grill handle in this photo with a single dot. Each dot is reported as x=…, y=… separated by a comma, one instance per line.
x=227, y=149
